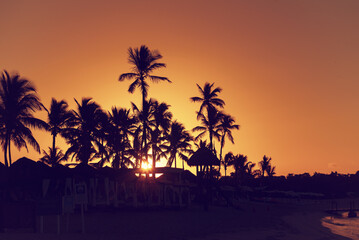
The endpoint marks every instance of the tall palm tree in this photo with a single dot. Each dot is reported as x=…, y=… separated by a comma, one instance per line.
x=265, y=164
x=122, y=126
x=58, y=118
x=144, y=62
x=54, y=157
x=209, y=100
x=86, y=136
x=18, y=102
x=225, y=128
x=178, y=143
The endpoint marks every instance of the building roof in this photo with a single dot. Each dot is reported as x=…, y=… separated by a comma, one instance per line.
x=203, y=157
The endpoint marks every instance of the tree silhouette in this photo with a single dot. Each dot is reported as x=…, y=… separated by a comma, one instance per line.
x=144, y=62
x=85, y=137
x=121, y=126
x=225, y=128
x=54, y=157
x=144, y=116
x=251, y=172
x=209, y=100
x=241, y=165
x=227, y=161
x=161, y=124
x=178, y=143
x=265, y=165
x=209, y=124
x=270, y=171
x=58, y=119
x=18, y=102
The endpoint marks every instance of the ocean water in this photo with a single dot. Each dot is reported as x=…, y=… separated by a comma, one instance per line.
x=342, y=225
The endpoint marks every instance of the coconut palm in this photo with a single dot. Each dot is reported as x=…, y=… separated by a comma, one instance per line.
x=161, y=124
x=18, y=102
x=270, y=171
x=265, y=164
x=58, y=118
x=240, y=163
x=225, y=128
x=201, y=144
x=144, y=62
x=122, y=126
x=227, y=161
x=209, y=124
x=145, y=117
x=251, y=172
x=86, y=136
x=54, y=157
x=178, y=144
x=209, y=100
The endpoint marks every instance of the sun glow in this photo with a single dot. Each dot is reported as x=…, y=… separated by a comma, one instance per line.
x=146, y=165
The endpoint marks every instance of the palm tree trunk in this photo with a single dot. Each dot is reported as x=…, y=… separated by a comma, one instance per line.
x=210, y=139
x=144, y=144
x=53, y=142
x=175, y=162
x=225, y=171
x=220, y=153
x=9, y=152
x=5, y=152
x=144, y=140
x=153, y=161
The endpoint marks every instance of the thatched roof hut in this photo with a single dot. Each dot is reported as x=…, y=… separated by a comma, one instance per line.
x=203, y=157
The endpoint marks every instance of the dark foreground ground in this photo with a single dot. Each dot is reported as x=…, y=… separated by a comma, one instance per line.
x=251, y=220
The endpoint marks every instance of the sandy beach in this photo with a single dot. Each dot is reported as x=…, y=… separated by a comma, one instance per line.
x=252, y=220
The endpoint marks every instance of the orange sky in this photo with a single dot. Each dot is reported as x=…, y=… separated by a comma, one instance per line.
x=288, y=69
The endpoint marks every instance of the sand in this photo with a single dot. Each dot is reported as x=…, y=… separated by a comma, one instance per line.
x=252, y=220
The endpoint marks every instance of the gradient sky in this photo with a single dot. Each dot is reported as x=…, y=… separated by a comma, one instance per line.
x=289, y=69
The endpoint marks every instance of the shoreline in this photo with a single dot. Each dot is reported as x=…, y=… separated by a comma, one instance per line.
x=252, y=220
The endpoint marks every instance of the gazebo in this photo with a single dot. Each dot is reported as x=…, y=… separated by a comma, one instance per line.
x=203, y=158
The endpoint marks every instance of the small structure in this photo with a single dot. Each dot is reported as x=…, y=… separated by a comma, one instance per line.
x=203, y=159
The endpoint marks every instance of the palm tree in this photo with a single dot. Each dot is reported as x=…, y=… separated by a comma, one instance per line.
x=265, y=164
x=271, y=171
x=251, y=172
x=161, y=124
x=240, y=163
x=178, y=143
x=209, y=100
x=144, y=62
x=225, y=128
x=122, y=126
x=86, y=136
x=227, y=161
x=201, y=144
x=18, y=102
x=210, y=124
x=144, y=116
x=58, y=118
x=53, y=157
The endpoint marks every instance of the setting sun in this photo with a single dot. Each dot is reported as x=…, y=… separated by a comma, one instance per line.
x=146, y=165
